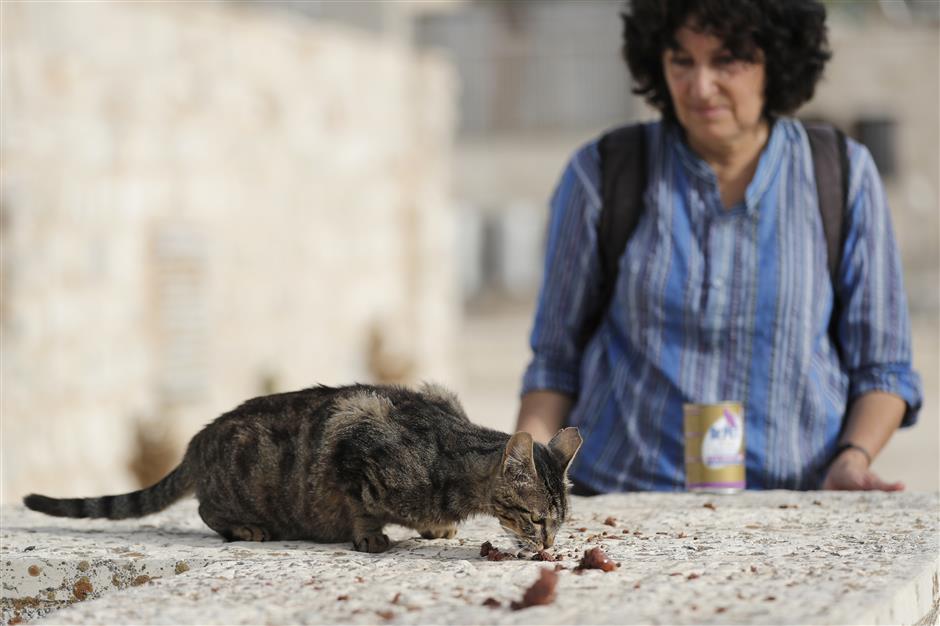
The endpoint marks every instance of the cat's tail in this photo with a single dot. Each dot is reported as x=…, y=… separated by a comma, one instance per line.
x=171, y=488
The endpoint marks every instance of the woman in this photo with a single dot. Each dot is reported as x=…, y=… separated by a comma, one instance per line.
x=723, y=292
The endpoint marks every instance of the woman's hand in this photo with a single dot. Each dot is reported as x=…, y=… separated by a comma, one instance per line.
x=850, y=472
x=872, y=420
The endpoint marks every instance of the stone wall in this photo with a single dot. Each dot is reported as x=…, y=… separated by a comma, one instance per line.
x=768, y=557
x=201, y=203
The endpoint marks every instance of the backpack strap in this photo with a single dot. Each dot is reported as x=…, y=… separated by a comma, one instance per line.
x=623, y=183
x=831, y=167
x=830, y=152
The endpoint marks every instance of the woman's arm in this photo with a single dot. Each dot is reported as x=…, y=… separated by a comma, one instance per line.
x=874, y=333
x=542, y=413
x=569, y=296
x=872, y=420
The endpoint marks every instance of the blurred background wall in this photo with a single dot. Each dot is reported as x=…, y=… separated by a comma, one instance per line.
x=201, y=203
x=204, y=203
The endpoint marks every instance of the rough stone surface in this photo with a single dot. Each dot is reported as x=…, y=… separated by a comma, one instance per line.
x=757, y=558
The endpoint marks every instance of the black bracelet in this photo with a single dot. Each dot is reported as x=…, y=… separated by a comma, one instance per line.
x=848, y=446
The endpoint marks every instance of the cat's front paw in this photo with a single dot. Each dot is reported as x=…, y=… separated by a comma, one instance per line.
x=439, y=532
x=372, y=543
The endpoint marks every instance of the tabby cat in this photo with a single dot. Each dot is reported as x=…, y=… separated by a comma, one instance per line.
x=338, y=464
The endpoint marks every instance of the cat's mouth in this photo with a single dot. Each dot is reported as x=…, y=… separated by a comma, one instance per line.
x=522, y=541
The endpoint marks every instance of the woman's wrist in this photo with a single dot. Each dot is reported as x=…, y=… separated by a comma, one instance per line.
x=853, y=449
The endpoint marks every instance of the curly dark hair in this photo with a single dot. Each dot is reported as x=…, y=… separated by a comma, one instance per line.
x=790, y=33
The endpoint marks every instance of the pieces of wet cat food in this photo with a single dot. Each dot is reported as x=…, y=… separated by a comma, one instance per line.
x=543, y=555
x=541, y=592
x=493, y=553
x=595, y=558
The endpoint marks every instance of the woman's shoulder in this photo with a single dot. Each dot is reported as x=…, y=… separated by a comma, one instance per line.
x=586, y=159
x=862, y=169
x=583, y=170
x=795, y=131
x=585, y=162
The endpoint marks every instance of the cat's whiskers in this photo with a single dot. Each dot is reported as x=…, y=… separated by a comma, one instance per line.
x=521, y=541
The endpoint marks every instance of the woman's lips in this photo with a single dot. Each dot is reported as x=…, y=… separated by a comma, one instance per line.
x=708, y=112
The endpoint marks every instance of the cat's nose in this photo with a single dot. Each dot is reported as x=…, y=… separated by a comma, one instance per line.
x=549, y=541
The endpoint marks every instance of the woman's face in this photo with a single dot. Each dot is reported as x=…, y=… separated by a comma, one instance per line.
x=716, y=97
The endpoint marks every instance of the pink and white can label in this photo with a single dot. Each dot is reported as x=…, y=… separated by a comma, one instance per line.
x=714, y=447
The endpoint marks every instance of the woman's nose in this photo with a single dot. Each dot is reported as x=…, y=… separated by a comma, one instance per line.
x=702, y=82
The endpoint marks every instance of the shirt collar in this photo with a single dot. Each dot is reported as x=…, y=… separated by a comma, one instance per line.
x=767, y=165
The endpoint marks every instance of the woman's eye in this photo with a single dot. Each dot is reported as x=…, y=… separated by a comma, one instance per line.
x=681, y=62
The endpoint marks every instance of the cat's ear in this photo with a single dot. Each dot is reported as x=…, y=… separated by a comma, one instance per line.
x=518, y=463
x=564, y=445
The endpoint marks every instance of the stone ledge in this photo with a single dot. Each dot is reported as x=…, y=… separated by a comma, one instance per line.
x=757, y=557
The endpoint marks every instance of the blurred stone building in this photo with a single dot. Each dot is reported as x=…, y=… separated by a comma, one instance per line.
x=540, y=78
x=201, y=203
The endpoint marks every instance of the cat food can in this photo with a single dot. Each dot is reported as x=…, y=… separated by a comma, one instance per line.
x=714, y=447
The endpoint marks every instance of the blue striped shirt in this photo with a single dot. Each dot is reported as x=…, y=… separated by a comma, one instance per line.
x=714, y=304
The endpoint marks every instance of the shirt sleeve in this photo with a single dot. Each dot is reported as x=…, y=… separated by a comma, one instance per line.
x=874, y=326
x=571, y=288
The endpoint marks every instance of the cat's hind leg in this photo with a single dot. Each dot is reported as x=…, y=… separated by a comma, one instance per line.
x=232, y=530
x=249, y=533
x=447, y=531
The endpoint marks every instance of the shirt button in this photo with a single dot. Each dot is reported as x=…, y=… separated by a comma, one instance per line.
x=717, y=283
